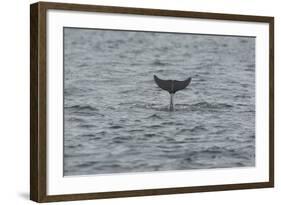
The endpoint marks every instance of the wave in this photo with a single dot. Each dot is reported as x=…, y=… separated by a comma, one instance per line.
x=84, y=110
x=82, y=107
x=101, y=133
x=87, y=110
x=126, y=91
x=121, y=139
x=154, y=126
x=72, y=91
x=74, y=146
x=92, y=137
x=150, y=135
x=86, y=164
x=171, y=123
x=213, y=152
x=244, y=41
x=135, y=130
x=154, y=116
x=159, y=63
x=200, y=106
x=76, y=119
x=211, y=105
x=198, y=128
x=224, y=151
x=83, y=65
x=87, y=126
x=195, y=129
x=115, y=127
x=242, y=96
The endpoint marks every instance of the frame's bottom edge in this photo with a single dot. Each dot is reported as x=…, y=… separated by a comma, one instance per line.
x=153, y=192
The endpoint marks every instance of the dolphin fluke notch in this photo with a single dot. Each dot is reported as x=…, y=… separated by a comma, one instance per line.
x=172, y=86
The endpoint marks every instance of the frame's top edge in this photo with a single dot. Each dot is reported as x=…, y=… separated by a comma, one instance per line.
x=153, y=12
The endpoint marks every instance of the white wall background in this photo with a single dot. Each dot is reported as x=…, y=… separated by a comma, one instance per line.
x=14, y=104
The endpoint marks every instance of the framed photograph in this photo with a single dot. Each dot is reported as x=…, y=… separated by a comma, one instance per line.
x=135, y=102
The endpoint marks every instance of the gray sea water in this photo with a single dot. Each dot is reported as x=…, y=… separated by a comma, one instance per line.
x=116, y=119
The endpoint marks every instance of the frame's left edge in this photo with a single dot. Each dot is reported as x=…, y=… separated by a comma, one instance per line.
x=34, y=187
x=37, y=103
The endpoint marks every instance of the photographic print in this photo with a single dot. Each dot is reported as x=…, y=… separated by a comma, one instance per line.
x=146, y=101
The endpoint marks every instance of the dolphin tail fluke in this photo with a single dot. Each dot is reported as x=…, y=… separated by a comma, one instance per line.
x=172, y=86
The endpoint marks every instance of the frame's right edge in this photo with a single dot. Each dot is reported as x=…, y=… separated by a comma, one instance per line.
x=34, y=41
x=271, y=102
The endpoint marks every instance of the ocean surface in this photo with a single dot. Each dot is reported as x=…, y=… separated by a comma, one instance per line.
x=116, y=119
